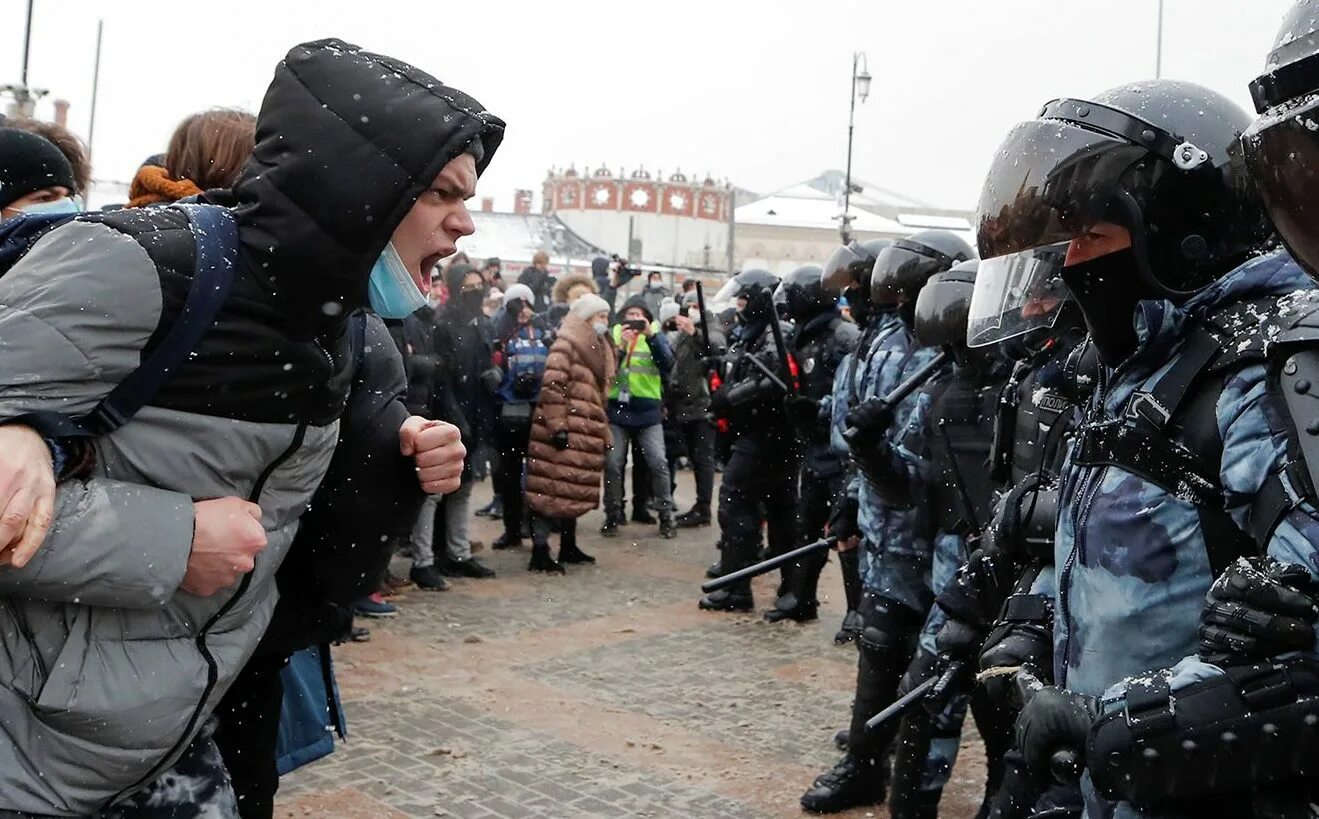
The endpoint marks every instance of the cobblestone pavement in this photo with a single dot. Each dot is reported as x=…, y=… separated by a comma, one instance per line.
x=605, y=693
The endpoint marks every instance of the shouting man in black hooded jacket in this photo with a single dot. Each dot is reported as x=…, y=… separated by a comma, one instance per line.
x=150, y=592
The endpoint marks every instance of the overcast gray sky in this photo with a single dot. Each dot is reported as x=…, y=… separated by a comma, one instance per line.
x=737, y=89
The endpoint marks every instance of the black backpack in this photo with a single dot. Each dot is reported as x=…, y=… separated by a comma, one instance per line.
x=216, y=235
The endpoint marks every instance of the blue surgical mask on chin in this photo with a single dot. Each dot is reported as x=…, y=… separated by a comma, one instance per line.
x=59, y=207
x=393, y=291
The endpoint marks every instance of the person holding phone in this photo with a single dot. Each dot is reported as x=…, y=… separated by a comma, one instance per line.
x=635, y=413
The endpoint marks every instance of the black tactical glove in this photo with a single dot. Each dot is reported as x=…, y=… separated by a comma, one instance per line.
x=719, y=405
x=802, y=409
x=842, y=520
x=560, y=439
x=958, y=640
x=871, y=417
x=1257, y=609
x=1054, y=720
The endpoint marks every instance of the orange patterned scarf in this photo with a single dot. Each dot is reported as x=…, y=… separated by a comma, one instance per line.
x=152, y=185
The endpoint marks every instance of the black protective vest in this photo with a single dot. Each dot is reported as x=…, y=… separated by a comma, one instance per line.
x=1031, y=424
x=959, y=432
x=819, y=346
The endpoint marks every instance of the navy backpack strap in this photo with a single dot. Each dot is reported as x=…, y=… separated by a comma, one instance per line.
x=216, y=236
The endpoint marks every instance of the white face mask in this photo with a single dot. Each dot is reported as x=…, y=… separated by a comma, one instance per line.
x=600, y=327
x=694, y=313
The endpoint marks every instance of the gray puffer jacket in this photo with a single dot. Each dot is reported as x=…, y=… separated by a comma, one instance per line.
x=107, y=668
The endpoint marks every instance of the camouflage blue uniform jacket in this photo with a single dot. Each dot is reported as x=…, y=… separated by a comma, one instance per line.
x=1132, y=564
x=1133, y=569
x=895, y=560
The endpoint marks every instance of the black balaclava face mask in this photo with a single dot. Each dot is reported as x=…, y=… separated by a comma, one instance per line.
x=858, y=302
x=1107, y=289
x=471, y=301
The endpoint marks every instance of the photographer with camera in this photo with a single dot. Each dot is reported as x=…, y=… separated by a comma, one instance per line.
x=635, y=413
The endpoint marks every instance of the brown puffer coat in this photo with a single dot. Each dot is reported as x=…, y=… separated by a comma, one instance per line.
x=565, y=483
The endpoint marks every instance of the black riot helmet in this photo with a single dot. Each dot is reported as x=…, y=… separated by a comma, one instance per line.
x=802, y=294
x=1282, y=146
x=943, y=306
x=1159, y=158
x=757, y=287
x=849, y=265
x=903, y=267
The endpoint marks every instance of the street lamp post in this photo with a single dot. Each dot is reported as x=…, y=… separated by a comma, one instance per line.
x=861, y=88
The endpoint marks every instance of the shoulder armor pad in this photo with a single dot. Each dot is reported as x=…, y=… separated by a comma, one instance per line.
x=1248, y=328
x=1298, y=320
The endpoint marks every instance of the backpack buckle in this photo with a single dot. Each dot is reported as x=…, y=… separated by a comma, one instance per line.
x=1147, y=408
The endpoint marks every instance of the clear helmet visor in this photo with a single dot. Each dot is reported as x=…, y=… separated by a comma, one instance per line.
x=725, y=294
x=843, y=268
x=1017, y=293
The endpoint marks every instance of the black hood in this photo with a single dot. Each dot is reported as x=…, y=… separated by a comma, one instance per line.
x=346, y=141
x=641, y=304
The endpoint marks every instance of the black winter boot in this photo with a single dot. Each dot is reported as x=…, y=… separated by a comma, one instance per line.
x=666, y=528
x=694, y=517
x=642, y=515
x=541, y=560
x=568, y=551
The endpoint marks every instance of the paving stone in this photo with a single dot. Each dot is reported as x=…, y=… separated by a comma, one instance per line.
x=600, y=693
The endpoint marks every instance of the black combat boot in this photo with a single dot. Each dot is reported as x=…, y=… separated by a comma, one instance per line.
x=736, y=599
x=851, y=782
x=850, y=629
x=788, y=607
x=666, y=528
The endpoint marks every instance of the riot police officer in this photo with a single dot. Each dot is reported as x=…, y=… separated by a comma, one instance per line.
x=895, y=557
x=760, y=480
x=847, y=273
x=820, y=340
x=937, y=464
x=999, y=606
x=1180, y=473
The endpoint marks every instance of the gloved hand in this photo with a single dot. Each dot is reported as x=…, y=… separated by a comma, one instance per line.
x=1054, y=720
x=560, y=439
x=719, y=405
x=874, y=415
x=802, y=409
x=958, y=640
x=491, y=378
x=842, y=519
x=1257, y=609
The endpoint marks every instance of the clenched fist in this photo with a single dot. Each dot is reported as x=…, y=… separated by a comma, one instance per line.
x=438, y=450
x=226, y=538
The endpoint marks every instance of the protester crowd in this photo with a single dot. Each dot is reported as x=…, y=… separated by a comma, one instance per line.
x=1068, y=473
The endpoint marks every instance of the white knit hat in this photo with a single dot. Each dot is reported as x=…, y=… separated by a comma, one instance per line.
x=587, y=306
